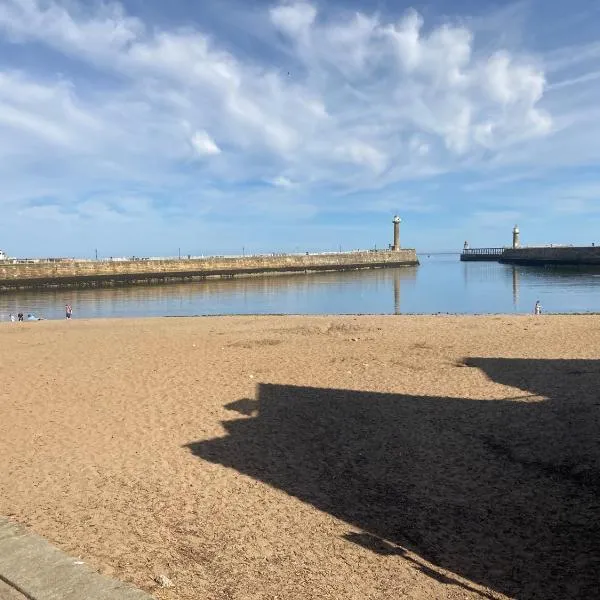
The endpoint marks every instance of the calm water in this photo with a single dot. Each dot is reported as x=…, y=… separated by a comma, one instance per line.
x=441, y=284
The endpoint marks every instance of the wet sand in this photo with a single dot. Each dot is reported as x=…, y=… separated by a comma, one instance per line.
x=311, y=457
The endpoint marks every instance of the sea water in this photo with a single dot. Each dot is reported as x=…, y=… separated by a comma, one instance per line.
x=441, y=284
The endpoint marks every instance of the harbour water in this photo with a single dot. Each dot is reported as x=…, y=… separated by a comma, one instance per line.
x=441, y=284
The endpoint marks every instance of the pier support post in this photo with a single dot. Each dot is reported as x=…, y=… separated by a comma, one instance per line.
x=396, y=221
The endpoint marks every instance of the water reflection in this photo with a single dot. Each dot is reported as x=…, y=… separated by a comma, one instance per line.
x=397, y=293
x=441, y=284
x=375, y=290
x=515, y=286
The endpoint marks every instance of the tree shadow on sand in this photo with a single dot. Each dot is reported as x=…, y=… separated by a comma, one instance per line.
x=505, y=493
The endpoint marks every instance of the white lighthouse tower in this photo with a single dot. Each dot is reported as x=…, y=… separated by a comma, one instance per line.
x=396, y=220
x=516, y=237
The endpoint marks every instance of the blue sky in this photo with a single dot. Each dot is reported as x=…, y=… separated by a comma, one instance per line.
x=148, y=127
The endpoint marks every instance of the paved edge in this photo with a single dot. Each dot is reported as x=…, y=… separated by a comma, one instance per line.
x=7, y=592
x=33, y=568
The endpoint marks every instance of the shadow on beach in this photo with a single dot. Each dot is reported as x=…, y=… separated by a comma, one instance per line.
x=505, y=493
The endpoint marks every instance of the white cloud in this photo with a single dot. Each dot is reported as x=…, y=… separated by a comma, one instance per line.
x=367, y=102
x=47, y=113
x=293, y=19
x=97, y=36
x=418, y=147
x=362, y=154
x=281, y=182
x=204, y=145
x=506, y=83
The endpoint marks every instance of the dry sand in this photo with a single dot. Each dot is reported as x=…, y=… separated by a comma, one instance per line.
x=311, y=457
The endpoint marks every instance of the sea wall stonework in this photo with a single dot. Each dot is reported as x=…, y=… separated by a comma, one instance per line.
x=561, y=255
x=74, y=273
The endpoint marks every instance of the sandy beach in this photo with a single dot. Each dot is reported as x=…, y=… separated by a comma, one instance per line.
x=311, y=457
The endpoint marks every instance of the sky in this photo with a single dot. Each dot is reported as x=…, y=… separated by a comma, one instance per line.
x=152, y=128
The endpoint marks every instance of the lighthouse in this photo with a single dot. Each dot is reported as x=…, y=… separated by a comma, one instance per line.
x=396, y=220
x=516, y=238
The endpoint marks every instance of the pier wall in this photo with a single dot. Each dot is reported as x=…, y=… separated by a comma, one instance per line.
x=561, y=255
x=74, y=273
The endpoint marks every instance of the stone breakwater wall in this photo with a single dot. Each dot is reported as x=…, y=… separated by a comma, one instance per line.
x=73, y=273
x=561, y=255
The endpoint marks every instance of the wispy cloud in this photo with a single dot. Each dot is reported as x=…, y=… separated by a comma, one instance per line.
x=566, y=57
x=585, y=78
x=359, y=91
x=358, y=103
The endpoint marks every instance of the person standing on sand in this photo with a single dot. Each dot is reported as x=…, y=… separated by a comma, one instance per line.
x=538, y=308
x=20, y=316
x=68, y=311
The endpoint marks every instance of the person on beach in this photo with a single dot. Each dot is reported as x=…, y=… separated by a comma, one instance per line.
x=12, y=318
x=20, y=316
x=538, y=308
x=68, y=311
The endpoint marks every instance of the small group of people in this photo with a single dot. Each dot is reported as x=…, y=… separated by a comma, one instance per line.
x=31, y=317
x=21, y=317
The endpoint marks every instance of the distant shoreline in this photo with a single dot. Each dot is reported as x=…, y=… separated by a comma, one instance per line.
x=312, y=316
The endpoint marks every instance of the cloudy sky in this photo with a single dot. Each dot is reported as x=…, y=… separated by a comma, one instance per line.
x=144, y=127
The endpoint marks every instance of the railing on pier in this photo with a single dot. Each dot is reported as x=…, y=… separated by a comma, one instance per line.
x=481, y=253
x=487, y=251
x=35, y=261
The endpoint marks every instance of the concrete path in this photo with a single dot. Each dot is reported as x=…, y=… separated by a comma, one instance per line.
x=33, y=569
x=8, y=592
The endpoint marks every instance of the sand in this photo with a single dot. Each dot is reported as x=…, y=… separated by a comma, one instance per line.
x=311, y=457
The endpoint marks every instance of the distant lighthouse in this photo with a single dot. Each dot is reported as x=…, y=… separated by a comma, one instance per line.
x=516, y=238
x=396, y=220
